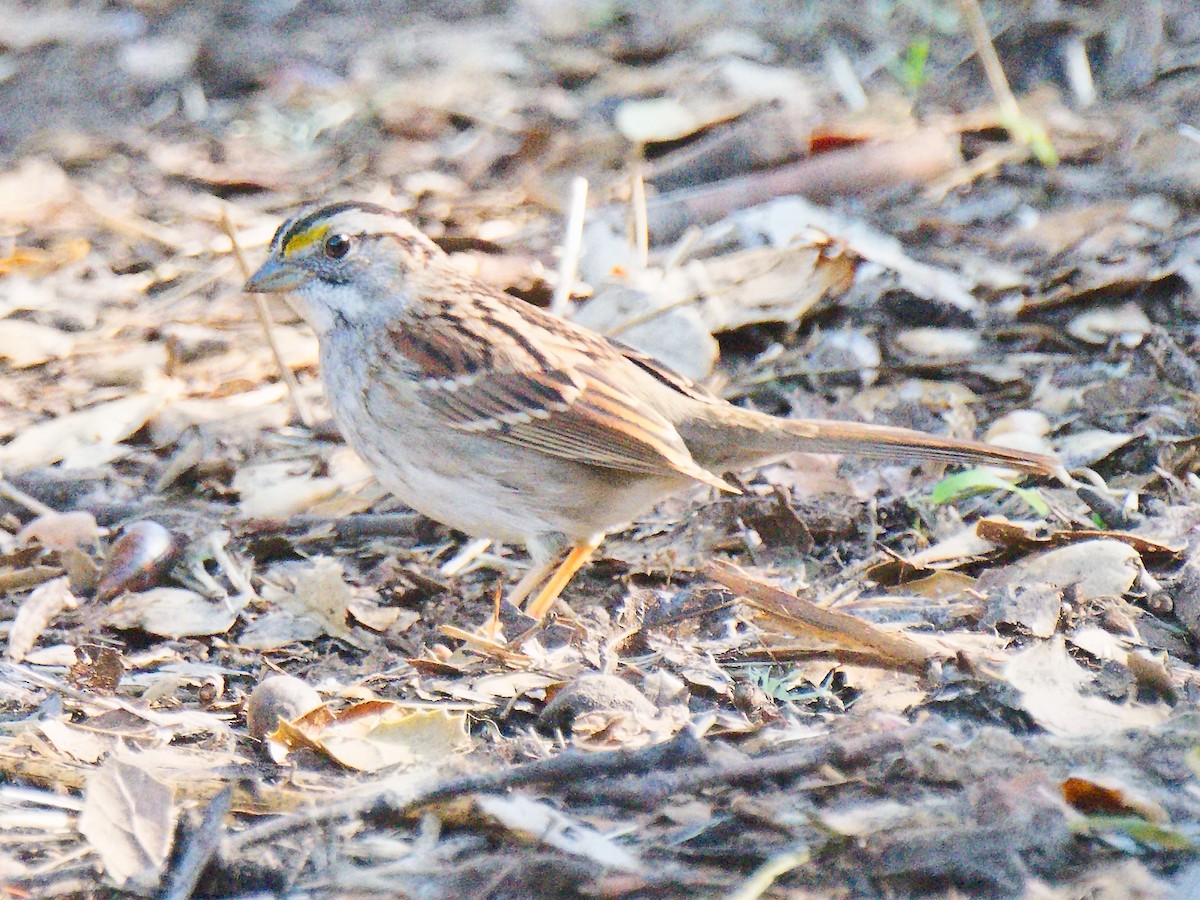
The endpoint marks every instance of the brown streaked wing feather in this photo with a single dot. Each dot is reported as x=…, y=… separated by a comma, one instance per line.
x=509, y=372
x=666, y=375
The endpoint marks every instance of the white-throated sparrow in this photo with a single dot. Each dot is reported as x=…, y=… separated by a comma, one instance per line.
x=503, y=421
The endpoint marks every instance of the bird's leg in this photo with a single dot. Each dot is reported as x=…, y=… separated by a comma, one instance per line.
x=562, y=576
x=538, y=572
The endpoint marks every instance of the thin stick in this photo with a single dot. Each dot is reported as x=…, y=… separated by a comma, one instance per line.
x=1018, y=124
x=14, y=494
x=641, y=217
x=264, y=318
x=829, y=624
x=572, y=244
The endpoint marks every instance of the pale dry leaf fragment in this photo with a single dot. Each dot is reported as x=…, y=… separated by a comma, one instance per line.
x=26, y=344
x=1099, y=568
x=538, y=821
x=1085, y=448
x=660, y=119
x=771, y=284
x=38, y=610
x=174, y=612
x=129, y=819
x=318, y=604
x=377, y=617
x=76, y=530
x=374, y=735
x=939, y=346
x=251, y=412
x=34, y=188
x=781, y=220
x=1054, y=692
x=85, y=746
x=1029, y=592
x=287, y=498
x=1127, y=324
x=97, y=427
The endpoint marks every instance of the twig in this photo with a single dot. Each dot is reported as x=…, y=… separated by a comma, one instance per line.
x=264, y=317
x=14, y=494
x=764, y=876
x=656, y=786
x=569, y=767
x=201, y=846
x=572, y=244
x=485, y=646
x=845, y=79
x=470, y=552
x=1022, y=128
x=641, y=215
x=826, y=623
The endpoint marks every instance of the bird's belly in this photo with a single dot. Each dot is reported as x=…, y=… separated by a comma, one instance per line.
x=482, y=486
x=493, y=490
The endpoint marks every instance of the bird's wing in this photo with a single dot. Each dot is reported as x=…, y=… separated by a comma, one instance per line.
x=491, y=365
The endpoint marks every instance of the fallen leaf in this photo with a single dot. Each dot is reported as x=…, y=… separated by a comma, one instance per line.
x=36, y=612
x=101, y=426
x=317, y=604
x=129, y=818
x=26, y=344
x=374, y=735
x=1052, y=687
x=174, y=612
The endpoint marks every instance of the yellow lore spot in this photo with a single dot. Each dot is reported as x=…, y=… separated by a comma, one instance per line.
x=309, y=236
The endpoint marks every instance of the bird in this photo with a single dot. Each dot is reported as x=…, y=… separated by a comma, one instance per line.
x=506, y=422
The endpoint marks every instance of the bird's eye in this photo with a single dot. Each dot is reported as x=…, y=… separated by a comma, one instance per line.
x=337, y=246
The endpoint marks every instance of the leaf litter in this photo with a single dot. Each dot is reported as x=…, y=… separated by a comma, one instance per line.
x=225, y=644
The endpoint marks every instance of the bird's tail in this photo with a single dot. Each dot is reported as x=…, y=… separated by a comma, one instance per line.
x=762, y=437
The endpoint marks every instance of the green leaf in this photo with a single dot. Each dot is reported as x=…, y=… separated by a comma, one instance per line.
x=977, y=481
x=1029, y=131
x=1149, y=834
x=913, y=70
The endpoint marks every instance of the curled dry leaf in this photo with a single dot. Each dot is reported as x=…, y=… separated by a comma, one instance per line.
x=374, y=735
x=939, y=346
x=38, y=610
x=772, y=284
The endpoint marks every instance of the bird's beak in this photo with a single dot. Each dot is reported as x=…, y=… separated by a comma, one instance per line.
x=274, y=276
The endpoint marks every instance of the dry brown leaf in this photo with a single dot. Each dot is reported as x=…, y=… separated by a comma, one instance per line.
x=1054, y=692
x=374, y=735
x=174, y=612
x=1106, y=796
x=86, y=435
x=129, y=819
x=36, y=612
